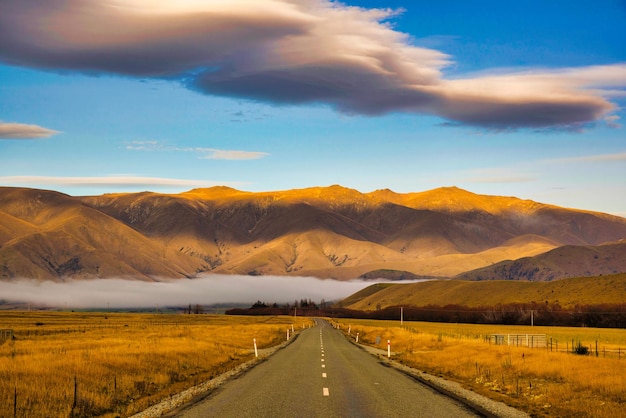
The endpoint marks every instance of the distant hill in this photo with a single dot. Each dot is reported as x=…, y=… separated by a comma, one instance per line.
x=567, y=293
x=49, y=235
x=327, y=232
x=560, y=263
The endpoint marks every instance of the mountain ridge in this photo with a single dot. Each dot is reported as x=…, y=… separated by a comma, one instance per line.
x=326, y=232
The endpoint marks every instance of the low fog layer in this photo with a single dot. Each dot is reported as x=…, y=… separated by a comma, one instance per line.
x=119, y=293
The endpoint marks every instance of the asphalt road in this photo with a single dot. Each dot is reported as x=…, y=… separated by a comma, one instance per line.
x=321, y=374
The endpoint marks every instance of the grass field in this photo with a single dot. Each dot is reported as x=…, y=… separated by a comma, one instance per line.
x=114, y=364
x=540, y=381
x=608, y=289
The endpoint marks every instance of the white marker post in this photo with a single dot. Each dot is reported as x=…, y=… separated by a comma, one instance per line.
x=349, y=329
x=256, y=352
x=287, y=334
x=357, y=337
x=388, y=349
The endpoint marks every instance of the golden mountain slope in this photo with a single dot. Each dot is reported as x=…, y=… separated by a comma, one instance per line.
x=567, y=293
x=60, y=237
x=328, y=232
x=563, y=262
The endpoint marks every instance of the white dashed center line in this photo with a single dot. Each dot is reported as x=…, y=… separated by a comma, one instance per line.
x=325, y=391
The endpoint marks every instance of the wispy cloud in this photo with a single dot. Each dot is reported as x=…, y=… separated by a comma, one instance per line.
x=218, y=154
x=293, y=51
x=24, y=131
x=612, y=121
x=498, y=175
x=204, y=153
x=598, y=158
x=111, y=181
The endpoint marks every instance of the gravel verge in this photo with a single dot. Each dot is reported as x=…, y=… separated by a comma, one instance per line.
x=479, y=403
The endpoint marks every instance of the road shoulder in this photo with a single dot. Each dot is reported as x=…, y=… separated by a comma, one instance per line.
x=481, y=404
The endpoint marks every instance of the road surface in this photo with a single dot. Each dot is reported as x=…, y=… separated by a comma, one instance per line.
x=321, y=374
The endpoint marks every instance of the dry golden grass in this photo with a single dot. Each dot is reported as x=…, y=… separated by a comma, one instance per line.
x=538, y=381
x=120, y=363
x=567, y=293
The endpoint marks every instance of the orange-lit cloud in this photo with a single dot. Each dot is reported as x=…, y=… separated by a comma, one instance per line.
x=296, y=51
x=24, y=131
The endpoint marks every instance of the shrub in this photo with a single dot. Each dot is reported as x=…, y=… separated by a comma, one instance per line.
x=580, y=349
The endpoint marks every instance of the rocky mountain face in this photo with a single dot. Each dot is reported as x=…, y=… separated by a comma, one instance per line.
x=329, y=232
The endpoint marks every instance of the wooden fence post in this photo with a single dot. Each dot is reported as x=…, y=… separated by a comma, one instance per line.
x=75, y=393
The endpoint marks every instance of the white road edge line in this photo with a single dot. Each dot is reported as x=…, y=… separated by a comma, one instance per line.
x=325, y=392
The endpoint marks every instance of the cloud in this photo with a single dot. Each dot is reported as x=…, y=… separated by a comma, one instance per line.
x=564, y=98
x=145, y=146
x=293, y=52
x=498, y=175
x=24, y=131
x=599, y=158
x=218, y=154
x=205, y=153
x=112, y=181
x=612, y=121
x=212, y=289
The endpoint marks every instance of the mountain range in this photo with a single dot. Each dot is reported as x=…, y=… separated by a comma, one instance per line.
x=326, y=232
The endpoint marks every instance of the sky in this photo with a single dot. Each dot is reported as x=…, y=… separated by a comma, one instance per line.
x=520, y=99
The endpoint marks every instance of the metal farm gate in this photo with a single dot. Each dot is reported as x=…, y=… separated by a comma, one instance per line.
x=520, y=340
x=5, y=334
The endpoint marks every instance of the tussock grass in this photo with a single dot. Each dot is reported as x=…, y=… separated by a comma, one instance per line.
x=77, y=364
x=536, y=380
x=567, y=293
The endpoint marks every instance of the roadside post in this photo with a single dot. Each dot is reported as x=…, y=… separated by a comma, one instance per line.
x=388, y=348
x=256, y=353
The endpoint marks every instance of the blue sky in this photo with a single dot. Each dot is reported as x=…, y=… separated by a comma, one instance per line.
x=494, y=97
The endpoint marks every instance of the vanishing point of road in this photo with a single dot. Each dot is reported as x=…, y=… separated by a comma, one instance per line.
x=321, y=374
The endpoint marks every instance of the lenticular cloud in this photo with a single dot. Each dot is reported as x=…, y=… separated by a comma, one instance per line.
x=24, y=131
x=293, y=52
